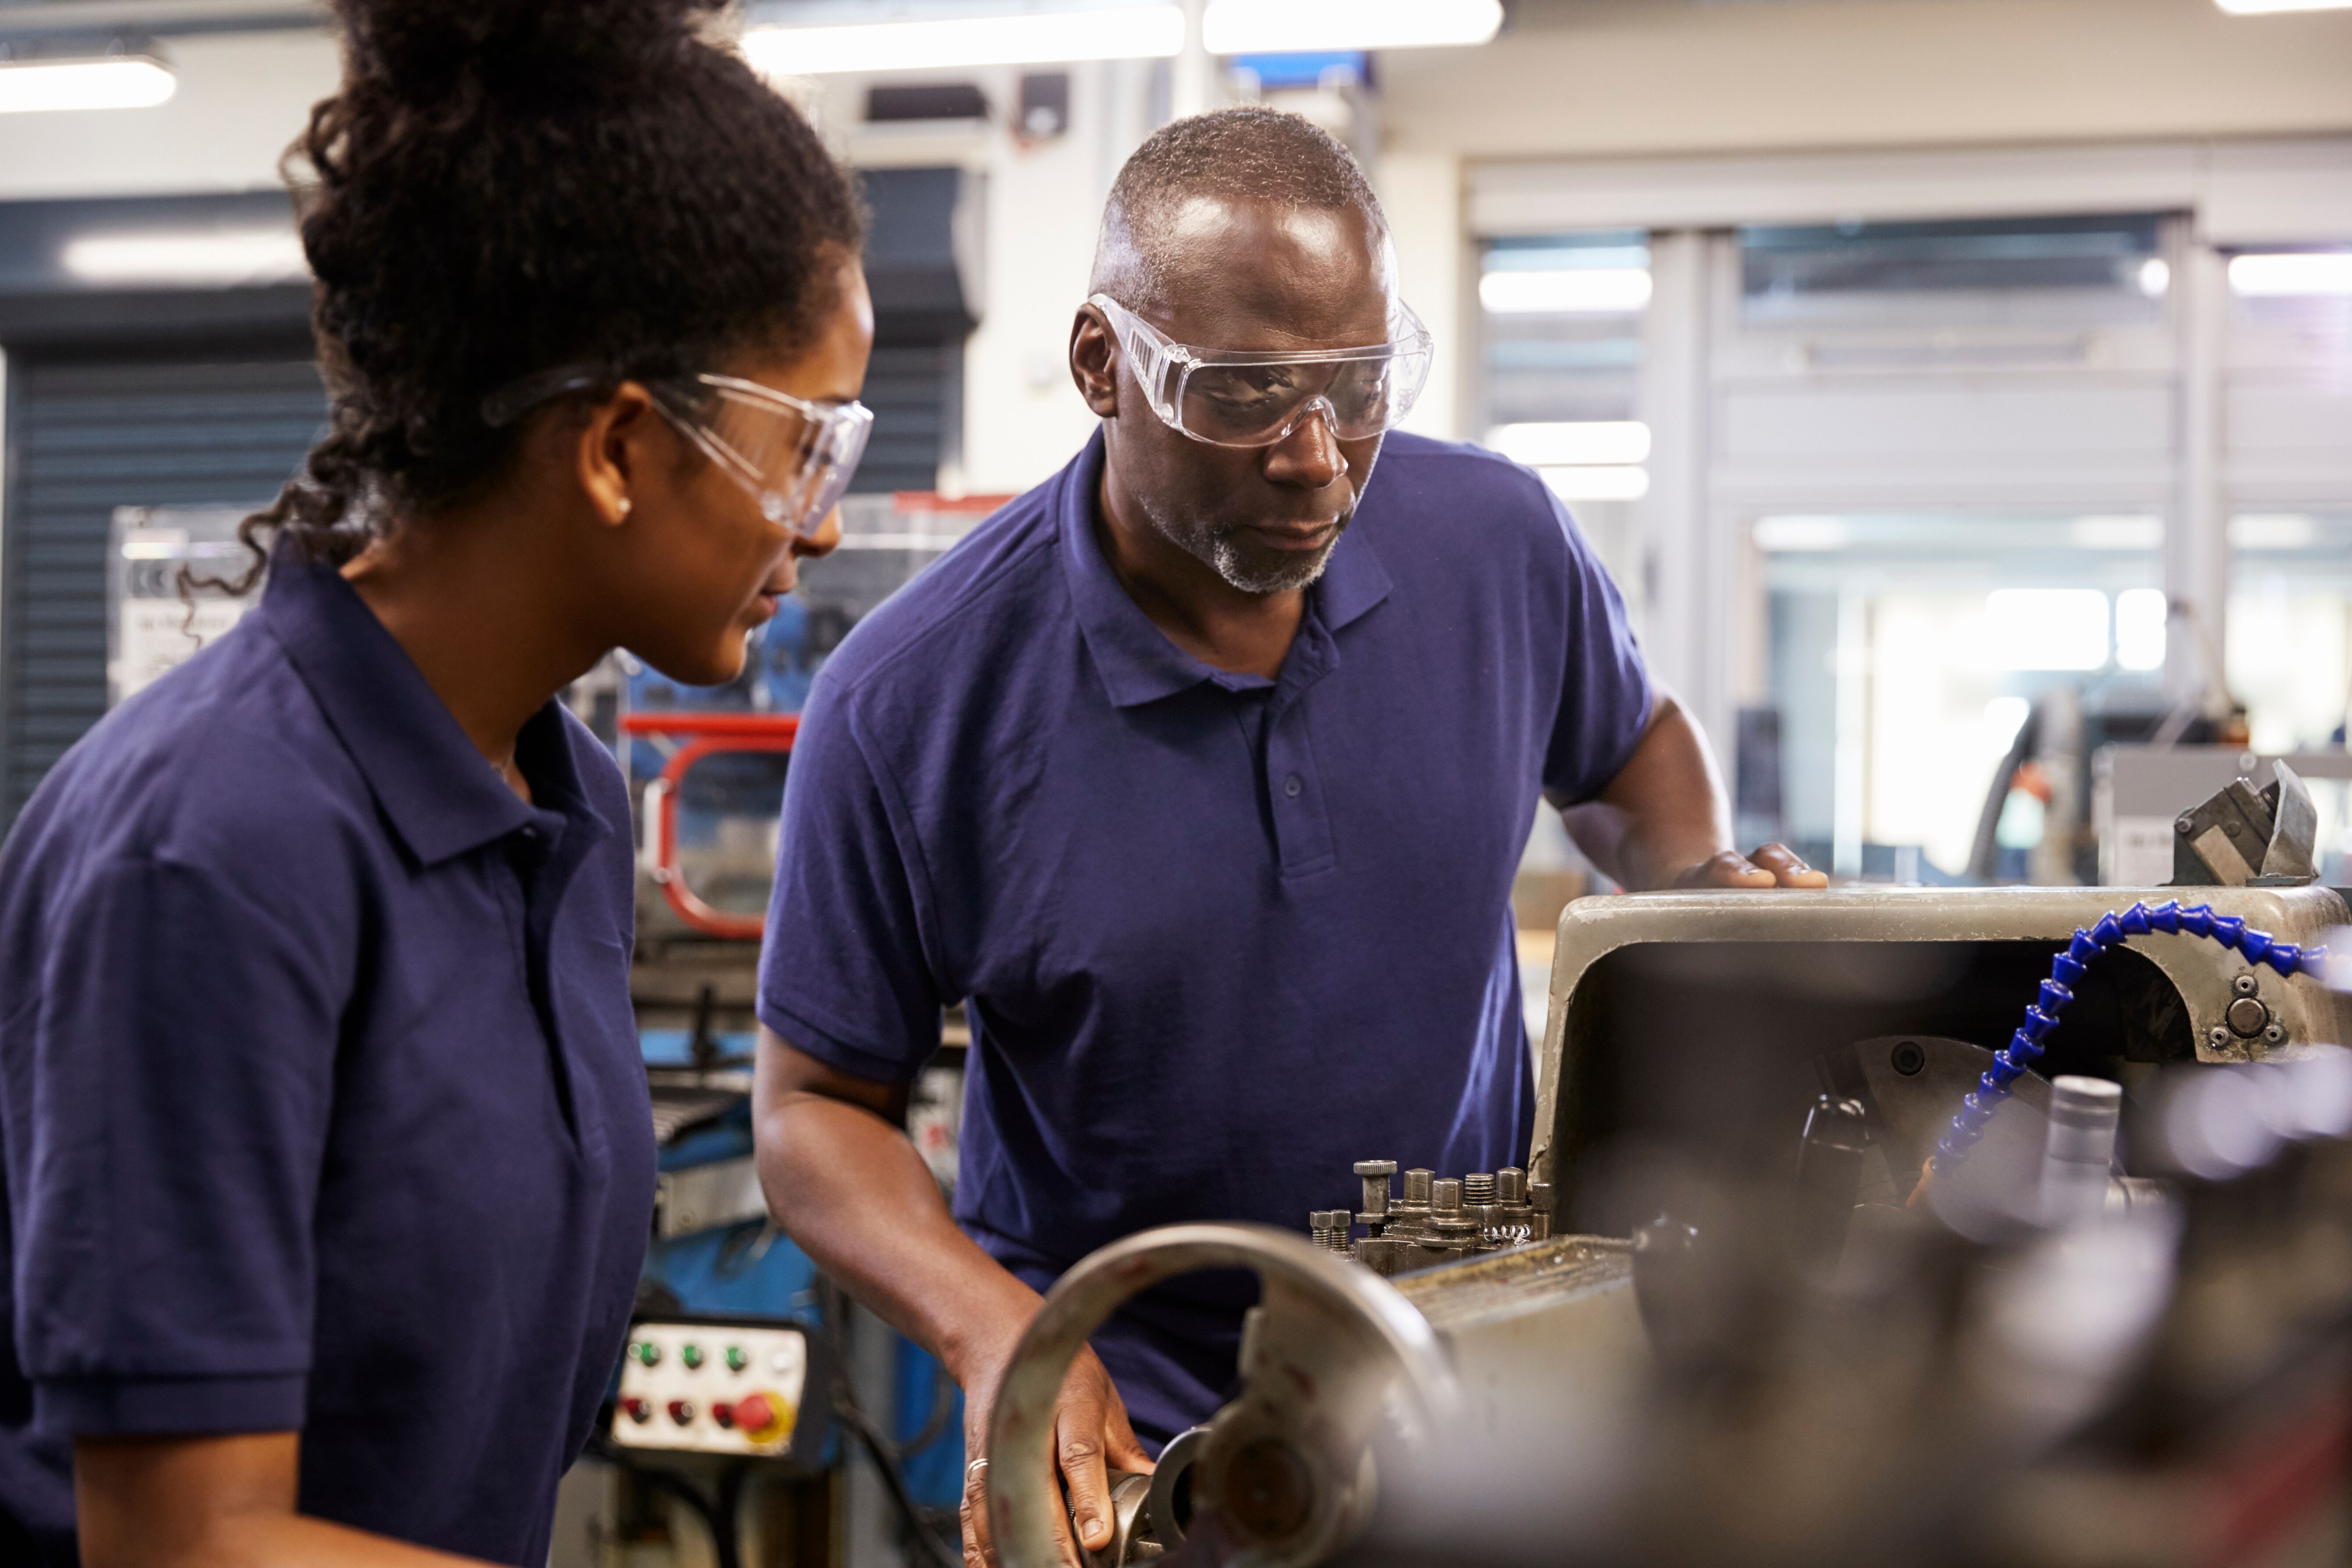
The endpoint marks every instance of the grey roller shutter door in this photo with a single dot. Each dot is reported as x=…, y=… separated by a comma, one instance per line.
x=911, y=387
x=84, y=438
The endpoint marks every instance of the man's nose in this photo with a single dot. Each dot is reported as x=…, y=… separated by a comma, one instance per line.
x=1309, y=457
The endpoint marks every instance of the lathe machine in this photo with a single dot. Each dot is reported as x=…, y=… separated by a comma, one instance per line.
x=1875, y=1226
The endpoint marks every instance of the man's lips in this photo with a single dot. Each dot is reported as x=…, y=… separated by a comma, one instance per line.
x=1314, y=536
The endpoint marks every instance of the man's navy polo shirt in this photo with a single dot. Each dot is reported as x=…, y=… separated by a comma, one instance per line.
x=1220, y=937
x=322, y=1096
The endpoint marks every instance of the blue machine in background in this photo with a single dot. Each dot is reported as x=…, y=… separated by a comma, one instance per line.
x=746, y=1269
x=745, y=1360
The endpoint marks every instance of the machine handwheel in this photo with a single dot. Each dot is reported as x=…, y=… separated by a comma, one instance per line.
x=1282, y=1474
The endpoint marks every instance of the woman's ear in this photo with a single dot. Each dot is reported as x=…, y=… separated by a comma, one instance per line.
x=609, y=453
x=1093, y=361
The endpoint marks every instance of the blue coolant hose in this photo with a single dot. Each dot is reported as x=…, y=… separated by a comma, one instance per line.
x=2066, y=971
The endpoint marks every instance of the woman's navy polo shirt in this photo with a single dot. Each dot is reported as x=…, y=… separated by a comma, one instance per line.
x=1220, y=936
x=322, y=1096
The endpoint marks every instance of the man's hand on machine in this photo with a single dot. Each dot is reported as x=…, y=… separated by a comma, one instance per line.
x=1774, y=865
x=1091, y=1438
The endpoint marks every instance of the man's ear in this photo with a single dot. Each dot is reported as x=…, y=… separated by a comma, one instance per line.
x=608, y=452
x=1093, y=361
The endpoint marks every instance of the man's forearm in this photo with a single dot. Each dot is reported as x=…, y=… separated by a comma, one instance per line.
x=1664, y=813
x=847, y=1188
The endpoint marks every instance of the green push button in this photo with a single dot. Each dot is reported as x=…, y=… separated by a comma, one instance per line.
x=691, y=1355
x=736, y=1360
x=647, y=1351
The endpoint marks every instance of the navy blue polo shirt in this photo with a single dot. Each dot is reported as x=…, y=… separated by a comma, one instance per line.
x=321, y=1093
x=1220, y=937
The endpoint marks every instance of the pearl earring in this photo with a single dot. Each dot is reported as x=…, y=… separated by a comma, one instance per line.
x=625, y=505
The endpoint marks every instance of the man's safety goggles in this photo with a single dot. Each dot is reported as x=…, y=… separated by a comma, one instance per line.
x=794, y=457
x=1240, y=398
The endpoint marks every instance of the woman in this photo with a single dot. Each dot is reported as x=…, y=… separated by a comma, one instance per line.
x=328, y=1161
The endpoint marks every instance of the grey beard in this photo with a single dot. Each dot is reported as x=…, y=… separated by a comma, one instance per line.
x=1217, y=552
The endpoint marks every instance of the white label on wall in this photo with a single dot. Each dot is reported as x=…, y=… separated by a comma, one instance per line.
x=2143, y=852
x=157, y=635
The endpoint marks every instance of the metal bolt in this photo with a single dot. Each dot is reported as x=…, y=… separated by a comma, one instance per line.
x=1445, y=1195
x=1510, y=1185
x=1478, y=1190
x=2243, y=985
x=1909, y=1060
x=1539, y=1199
x=2218, y=1038
x=1375, y=1174
x=2273, y=1035
x=2184, y=826
x=1416, y=1188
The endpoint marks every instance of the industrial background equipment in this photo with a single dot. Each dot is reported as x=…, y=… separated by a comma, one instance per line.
x=835, y=1439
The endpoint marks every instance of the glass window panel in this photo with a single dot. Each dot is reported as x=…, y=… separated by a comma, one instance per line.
x=2289, y=657
x=1562, y=319
x=2085, y=270
x=1905, y=652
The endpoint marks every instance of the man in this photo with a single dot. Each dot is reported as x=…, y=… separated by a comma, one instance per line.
x=1199, y=775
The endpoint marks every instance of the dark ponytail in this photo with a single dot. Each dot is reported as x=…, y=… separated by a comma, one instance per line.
x=504, y=186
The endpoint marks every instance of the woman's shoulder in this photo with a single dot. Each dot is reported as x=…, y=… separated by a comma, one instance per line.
x=225, y=762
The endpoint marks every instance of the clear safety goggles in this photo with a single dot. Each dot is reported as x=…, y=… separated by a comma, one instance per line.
x=794, y=457
x=1247, y=398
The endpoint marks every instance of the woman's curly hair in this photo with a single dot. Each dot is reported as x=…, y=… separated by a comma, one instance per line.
x=505, y=186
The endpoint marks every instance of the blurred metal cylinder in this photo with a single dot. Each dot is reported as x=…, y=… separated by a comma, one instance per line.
x=2084, y=1113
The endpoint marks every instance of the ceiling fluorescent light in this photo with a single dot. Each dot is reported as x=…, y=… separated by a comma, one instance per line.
x=122, y=81
x=219, y=258
x=1597, y=484
x=2269, y=7
x=1314, y=26
x=1596, y=290
x=1035, y=37
x=1577, y=441
x=2292, y=272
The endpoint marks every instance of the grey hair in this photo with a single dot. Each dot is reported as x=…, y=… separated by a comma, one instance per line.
x=1246, y=154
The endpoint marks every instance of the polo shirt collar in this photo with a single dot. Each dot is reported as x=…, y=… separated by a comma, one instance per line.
x=433, y=786
x=1137, y=663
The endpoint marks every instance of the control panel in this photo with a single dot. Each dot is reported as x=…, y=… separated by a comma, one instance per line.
x=717, y=1386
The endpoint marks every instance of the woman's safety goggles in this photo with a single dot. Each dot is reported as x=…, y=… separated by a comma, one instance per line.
x=794, y=457
x=1240, y=398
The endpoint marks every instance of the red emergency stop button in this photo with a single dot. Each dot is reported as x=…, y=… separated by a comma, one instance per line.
x=637, y=1409
x=682, y=1412
x=760, y=1416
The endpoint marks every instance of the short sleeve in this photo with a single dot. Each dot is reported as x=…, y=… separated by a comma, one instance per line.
x=1605, y=697
x=842, y=971
x=181, y=1064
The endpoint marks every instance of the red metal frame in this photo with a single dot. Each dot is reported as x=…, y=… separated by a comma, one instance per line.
x=712, y=734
